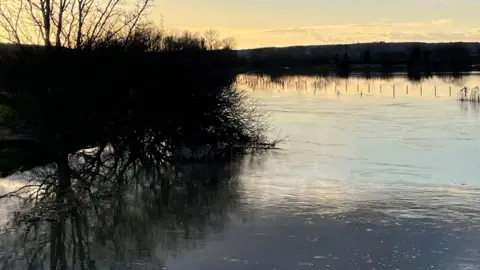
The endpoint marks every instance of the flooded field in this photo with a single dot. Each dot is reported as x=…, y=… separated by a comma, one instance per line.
x=370, y=182
x=363, y=181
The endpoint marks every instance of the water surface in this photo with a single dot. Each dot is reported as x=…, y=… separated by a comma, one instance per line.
x=365, y=180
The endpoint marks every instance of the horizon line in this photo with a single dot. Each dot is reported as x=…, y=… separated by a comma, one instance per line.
x=356, y=43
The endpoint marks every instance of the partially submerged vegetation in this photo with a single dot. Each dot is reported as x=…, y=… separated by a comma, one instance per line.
x=470, y=95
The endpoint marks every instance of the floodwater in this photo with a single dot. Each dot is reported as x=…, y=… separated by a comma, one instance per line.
x=365, y=180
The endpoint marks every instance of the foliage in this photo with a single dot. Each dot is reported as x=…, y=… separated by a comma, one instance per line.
x=7, y=115
x=469, y=95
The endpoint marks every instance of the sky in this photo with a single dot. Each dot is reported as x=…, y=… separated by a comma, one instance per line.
x=266, y=23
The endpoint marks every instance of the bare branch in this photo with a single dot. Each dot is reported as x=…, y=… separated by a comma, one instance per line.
x=61, y=9
x=32, y=7
x=69, y=23
x=211, y=38
x=105, y=15
x=15, y=193
x=9, y=20
x=136, y=16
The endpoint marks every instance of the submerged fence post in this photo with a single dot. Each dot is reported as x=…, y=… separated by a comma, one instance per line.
x=435, y=93
x=407, y=90
x=369, y=88
x=380, y=88
x=450, y=91
x=393, y=92
x=357, y=87
x=325, y=86
x=421, y=90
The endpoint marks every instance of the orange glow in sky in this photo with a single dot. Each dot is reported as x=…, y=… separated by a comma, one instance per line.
x=261, y=23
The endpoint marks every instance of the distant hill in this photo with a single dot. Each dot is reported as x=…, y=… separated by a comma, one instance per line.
x=14, y=47
x=355, y=49
x=386, y=57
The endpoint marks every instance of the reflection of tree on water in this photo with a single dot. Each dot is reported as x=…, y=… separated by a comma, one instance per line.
x=417, y=78
x=458, y=80
x=282, y=82
x=358, y=84
x=469, y=100
x=90, y=230
x=469, y=106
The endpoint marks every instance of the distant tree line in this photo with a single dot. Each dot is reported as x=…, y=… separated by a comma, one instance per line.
x=453, y=57
x=149, y=38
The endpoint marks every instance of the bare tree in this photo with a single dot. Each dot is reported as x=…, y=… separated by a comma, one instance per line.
x=228, y=43
x=69, y=23
x=212, y=39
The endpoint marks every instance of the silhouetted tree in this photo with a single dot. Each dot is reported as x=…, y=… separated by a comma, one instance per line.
x=427, y=57
x=455, y=55
x=72, y=24
x=346, y=59
x=415, y=57
x=387, y=62
x=228, y=43
x=367, y=57
x=337, y=58
x=212, y=39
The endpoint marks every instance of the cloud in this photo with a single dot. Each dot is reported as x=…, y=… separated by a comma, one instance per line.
x=442, y=21
x=285, y=30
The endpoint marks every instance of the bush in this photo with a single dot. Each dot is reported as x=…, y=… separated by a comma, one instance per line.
x=7, y=115
x=150, y=105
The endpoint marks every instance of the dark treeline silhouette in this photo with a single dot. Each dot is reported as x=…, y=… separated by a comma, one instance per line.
x=170, y=91
x=76, y=99
x=417, y=59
